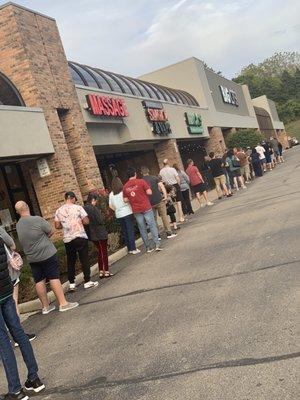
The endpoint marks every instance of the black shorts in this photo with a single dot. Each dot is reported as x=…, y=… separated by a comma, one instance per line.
x=47, y=269
x=200, y=188
x=235, y=174
x=178, y=192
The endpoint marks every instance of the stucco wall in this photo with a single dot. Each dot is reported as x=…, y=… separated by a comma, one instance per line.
x=135, y=127
x=23, y=132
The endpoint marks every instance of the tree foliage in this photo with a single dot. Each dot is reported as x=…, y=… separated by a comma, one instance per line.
x=278, y=77
x=244, y=138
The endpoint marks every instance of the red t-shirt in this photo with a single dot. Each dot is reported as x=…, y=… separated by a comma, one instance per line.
x=135, y=191
x=192, y=172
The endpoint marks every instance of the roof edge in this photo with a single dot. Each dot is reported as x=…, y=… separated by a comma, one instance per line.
x=11, y=3
x=171, y=65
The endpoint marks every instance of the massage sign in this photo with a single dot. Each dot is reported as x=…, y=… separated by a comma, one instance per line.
x=157, y=116
x=104, y=106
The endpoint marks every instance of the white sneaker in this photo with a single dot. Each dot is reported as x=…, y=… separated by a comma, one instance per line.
x=137, y=251
x=72, y=287
x=157, y=248
x=202, y=205
x=209, y=203
x=68, y=306
x=150, y=250
x=90, y=284
x=244, y=187
x=171, y=235
x=47, y=310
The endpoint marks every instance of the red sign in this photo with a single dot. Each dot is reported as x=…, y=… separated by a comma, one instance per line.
x=107, y=106
x=157, y=115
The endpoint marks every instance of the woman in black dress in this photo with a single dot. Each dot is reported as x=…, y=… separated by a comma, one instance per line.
x=256, y=163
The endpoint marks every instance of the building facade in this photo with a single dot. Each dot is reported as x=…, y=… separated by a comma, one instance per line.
x=65, y=126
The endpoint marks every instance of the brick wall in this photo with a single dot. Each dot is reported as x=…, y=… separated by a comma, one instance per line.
x=168, y=149
x=33, y=58
x=215, y=142
x=283, y=138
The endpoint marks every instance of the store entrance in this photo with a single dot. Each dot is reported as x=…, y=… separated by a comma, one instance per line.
x=195, y=150
x=12, y=189
x=121, y=161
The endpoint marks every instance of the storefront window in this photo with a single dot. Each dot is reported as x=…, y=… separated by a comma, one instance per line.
x=12, y=176
x=12, y=189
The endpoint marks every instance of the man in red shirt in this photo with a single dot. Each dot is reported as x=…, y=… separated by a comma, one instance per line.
x=198, y=185
x=136, y=192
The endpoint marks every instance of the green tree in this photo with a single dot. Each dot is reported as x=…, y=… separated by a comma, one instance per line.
x=278, y=77
x=244, y=138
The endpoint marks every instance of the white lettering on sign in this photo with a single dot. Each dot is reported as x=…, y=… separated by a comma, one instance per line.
x=229, y=96
x=43, y=167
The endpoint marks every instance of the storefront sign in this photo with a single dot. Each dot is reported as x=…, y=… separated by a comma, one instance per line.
x=157, y=116
x=43, y=167
x=106, y=106
x=194, y=123
x=229, y=96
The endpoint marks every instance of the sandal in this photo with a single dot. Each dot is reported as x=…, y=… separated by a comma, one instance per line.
x=101, y=274
x=108, y=274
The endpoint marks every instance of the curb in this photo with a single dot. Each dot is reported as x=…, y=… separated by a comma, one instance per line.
x=35, y=305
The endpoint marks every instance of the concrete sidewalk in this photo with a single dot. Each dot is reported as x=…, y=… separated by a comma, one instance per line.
x=214, y=316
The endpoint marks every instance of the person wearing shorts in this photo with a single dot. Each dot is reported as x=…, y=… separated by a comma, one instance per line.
x=199, y=187
x=34, y=234
x=170, y=176
x=216, y=166
x=234, y=171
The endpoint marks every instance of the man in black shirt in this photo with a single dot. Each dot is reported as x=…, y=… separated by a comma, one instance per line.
x=158, y=200
x=216, y=166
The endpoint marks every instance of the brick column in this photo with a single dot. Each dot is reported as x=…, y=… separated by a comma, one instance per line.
x=168, y=149
x=216, y=141
x=283, y=138
x=32, y=56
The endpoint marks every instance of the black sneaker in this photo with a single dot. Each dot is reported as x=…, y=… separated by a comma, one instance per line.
x=16, y=396
x=31, y=337
x=36, y=385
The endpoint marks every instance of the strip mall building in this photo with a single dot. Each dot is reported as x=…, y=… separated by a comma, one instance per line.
x=62, y=124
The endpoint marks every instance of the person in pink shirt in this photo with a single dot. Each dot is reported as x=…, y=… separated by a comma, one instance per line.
x=198, y=185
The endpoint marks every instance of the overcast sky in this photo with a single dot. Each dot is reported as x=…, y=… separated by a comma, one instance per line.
x=137, y=36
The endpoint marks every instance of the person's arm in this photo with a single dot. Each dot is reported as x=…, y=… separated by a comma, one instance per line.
x=186, y=177
x=7, y=239
x=46, y=227
x=57, y=222
x=147, y=188
x=84, y=217
x=177, y=177
x=162, y=188
x=57, y=225
x=110, y=203
x=199, y=175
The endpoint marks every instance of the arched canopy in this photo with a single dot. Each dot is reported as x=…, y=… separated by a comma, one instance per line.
x=95, y=77
x=9, y=94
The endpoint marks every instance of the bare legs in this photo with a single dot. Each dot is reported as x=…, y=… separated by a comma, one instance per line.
x=57, y=289
x=179, y=211
x=204, y=194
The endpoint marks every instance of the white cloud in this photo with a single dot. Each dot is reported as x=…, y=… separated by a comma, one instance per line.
x=137, y=36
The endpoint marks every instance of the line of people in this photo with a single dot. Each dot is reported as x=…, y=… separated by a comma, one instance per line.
x=166, y=195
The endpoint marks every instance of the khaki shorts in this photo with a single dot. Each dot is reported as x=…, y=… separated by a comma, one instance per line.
x=220, y=180
x=245, y=169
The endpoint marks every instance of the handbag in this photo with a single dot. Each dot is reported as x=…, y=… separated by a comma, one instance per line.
x=14, y=259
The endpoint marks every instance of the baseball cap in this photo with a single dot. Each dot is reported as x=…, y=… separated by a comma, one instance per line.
x=70, y=195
